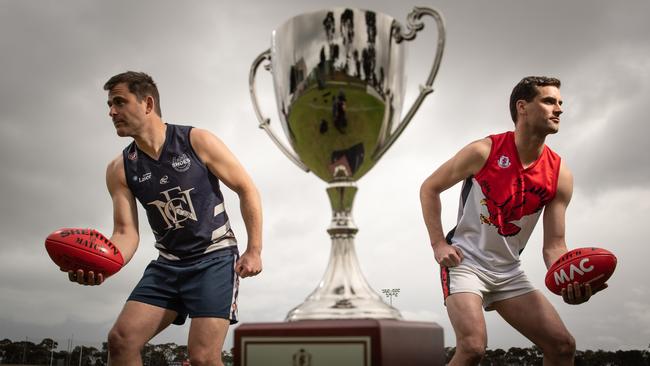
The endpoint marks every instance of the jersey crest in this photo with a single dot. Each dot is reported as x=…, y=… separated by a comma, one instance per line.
x=505, y=209
x=175, y=207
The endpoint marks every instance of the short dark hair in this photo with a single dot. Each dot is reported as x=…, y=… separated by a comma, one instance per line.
x=139, y=83
x=527, y=90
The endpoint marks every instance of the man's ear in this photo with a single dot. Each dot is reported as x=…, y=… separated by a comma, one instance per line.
x=521, y=107
x=151, y=104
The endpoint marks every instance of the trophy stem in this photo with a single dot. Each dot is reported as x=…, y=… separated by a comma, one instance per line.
x=343, y=293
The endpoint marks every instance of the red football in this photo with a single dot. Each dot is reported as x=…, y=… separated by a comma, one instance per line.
x=583, y=265
x=85, y=249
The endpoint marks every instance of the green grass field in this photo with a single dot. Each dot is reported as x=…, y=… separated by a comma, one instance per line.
x=364, y=114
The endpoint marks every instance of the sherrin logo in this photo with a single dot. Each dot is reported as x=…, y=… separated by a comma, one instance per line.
x=561, y=276
x=181, y=163
x=503, y=161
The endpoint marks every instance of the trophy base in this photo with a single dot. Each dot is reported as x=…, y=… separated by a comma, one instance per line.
x=343, y=308
x=360, y=342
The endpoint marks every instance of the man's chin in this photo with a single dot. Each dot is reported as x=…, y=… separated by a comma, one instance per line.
x=121, y=132
x=553, y=128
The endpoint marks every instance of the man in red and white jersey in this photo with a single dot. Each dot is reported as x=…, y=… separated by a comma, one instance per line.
x=508, y=179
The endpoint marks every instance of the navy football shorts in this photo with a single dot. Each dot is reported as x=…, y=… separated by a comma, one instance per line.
x=206, y=287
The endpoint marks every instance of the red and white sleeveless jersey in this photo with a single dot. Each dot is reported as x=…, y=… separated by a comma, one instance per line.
x=501, y=204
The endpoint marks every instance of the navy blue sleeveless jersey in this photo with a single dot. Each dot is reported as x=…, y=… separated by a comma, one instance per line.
x=181, y=196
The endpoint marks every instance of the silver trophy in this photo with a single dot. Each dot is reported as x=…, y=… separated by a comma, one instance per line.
x=339, y=85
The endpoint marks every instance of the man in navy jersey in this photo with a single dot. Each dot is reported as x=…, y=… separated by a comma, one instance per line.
x=175, y=173
x=509, y=178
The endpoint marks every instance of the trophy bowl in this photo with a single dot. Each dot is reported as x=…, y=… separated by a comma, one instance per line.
x=339, y=83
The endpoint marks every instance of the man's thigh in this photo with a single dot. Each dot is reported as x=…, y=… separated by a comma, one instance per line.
x=465, y=310
x=533, y=316
x=207, y=336
x=139, y=322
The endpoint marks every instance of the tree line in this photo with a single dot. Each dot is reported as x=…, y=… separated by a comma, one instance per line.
x=516, y=356
x=46, y=352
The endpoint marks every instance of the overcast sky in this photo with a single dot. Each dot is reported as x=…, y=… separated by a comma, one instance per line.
x=56, y=139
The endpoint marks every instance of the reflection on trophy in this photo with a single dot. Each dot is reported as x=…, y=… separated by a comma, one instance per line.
x=339, y=84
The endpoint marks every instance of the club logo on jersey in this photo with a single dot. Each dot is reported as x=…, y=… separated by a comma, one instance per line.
x=512, y=206
x=176, y=207
x=181, y=163
x=133, y=155
x=504, y=161
x=164, y=180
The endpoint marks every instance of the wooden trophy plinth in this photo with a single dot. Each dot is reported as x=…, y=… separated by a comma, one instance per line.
x=358, y=342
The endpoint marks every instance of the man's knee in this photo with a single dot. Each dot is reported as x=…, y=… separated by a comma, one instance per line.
x=471, y=348
x=119, y=343
x=563, y=347
x=567, y=346
x=205, y=357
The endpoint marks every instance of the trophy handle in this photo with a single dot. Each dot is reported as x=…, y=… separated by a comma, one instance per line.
x=414, y=25
x=265, y=122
